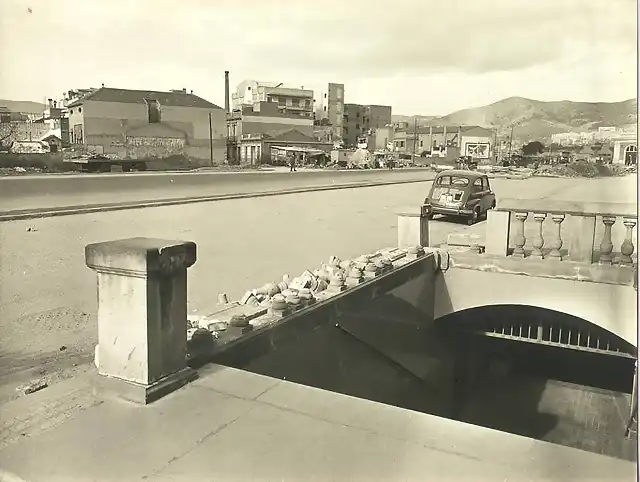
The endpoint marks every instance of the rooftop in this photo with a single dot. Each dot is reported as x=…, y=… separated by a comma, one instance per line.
x=176, y=99
x=463, y=173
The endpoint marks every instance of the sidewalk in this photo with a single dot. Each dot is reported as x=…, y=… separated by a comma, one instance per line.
x=234, y=425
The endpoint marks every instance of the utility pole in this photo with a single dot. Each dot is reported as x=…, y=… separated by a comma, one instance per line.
x=511, y=143
x=415, y=138
x=210, y=140
x=495, y=145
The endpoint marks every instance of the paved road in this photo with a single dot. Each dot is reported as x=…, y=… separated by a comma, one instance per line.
x=49, y=296
x=34, y=192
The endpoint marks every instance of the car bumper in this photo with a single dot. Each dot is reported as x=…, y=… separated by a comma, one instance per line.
x=451, y=211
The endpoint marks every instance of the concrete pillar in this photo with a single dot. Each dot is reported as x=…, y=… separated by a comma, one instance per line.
x=413, y=227
x=581, y=234
x=497, y=232
x=142, y=316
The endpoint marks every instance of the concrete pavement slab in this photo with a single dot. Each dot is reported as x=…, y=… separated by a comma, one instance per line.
x=521, y=454
x=234, y=382
x=276, y=444
x=290, y=432
x=121, y=441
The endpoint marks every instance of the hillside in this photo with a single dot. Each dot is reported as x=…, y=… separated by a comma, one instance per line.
x=538, y=120
x=410, y=118
x=24, y=106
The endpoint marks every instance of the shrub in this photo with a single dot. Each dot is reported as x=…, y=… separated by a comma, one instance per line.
x=589, y=169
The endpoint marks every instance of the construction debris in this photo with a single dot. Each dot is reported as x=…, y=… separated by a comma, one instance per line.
x=274, y=300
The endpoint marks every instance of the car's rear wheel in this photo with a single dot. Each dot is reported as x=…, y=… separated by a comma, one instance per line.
x=474, y=217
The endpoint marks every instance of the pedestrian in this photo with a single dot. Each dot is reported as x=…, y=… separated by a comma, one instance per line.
x=292, y=164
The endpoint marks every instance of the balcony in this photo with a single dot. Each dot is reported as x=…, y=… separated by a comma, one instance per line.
x=296, y=108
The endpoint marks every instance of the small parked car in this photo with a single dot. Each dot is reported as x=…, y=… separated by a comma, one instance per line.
x=465, y=194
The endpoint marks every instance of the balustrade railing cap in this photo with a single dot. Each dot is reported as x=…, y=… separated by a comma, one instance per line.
x=141, y=255
x=557, y=206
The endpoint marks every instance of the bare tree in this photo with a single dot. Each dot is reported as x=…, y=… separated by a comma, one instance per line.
x=7, y=130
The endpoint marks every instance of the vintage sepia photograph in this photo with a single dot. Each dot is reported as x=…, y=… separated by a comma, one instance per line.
x=280, y=240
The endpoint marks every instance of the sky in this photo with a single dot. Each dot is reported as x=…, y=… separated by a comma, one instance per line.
x=429, y=57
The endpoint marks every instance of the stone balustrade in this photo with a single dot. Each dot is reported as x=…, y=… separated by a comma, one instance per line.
x=562, y=230
x=146, y=339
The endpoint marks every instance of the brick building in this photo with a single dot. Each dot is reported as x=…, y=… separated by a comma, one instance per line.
x=138, y=124
x=361, y=121
x=289, y=101
x=276, y=146
x=330, y=110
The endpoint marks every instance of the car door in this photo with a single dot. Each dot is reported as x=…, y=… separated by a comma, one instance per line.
x=476, y=193
x=488, y=194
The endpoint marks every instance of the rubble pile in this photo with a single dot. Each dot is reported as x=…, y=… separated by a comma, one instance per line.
x=584, y=169
x=274, y=300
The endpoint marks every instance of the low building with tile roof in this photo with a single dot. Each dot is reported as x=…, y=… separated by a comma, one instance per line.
x=142, y=124
x=435, y=141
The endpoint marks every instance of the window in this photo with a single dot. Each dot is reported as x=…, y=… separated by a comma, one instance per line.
x=153, y=110
x=307, y=103
x=477, y=185
x=420, y=143
x=325, y=96
x=324, y=108
x=79, y=109
x=452, y=181
x=485, y=184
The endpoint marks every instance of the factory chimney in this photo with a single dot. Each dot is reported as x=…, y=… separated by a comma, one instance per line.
x=226, y=91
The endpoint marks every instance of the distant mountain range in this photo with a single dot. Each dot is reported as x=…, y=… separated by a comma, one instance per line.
x=23, y=106
x=422, y=119
x=533, y=119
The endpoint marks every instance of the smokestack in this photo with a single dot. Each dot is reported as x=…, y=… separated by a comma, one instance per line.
x=226, y=91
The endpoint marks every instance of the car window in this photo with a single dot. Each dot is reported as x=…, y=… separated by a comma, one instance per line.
x=485, y=183
x=452, y=181
x=477, y=185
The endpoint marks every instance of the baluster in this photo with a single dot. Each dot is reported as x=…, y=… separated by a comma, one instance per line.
x=557, y=244
x=538, y=241
x=606, y=246
x=627, y=247
x=519, y=238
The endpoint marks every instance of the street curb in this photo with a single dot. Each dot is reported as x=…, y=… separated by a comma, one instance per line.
x=20, y=215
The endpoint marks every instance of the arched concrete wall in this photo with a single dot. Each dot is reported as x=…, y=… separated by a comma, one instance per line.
x=609, y=306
